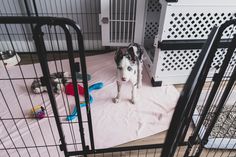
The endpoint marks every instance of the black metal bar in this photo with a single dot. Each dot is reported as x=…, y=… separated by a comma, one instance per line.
x=97, y=18
x=38, y=37
x=70, y=126
x=35, y=20
x=188, y=118
x=216, y=100
x=88, y=52
x=85, y=83
x=232, y=150
x=187, y=44
x=87, y=23
x=171, y=0
x=19, y=118
x=35, y=8
x=120, y=149
x=217, y=113
x=74, y=82
x=29, y=12
x=82, y=19
x=71, y=23
x=223, y=98
x=193, y=86
x=207, y=106
x=39, y=146
x=70, y=123
x=231, y=125
x=61, y=33
x=184, y=108
x=27, y=7
x=213, y=91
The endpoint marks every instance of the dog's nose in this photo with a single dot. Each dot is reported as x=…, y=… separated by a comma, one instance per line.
x=123, y=79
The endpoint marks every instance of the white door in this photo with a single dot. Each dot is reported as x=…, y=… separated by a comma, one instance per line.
x=122, y=21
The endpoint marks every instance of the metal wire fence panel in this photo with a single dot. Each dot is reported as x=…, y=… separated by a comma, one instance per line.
x=18, y=123
x=208, y=99
x=23, y=88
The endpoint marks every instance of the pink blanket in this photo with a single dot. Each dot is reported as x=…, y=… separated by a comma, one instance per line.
x=113, y=124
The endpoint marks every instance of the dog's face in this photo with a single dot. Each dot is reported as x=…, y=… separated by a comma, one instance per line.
x=126, y=64
x=126, y=70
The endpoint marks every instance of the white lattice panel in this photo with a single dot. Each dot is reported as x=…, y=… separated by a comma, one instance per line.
x=177, y=60
x=152, y=19
x=174, y=66
x=185, y=20
x=153, y=11
x=193, y=22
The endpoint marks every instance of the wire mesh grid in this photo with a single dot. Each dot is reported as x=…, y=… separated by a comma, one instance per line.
x=214, y=116
x=22, y=132
x=222, y=135
x=208, y=100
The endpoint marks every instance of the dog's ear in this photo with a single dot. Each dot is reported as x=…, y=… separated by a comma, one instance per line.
x=132, y=54
x=118, y=56
x=137, y=51
x=141, y=51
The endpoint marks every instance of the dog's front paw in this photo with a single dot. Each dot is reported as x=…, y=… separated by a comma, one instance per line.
x=139, y=85
x=116, y=100
x=133, y=101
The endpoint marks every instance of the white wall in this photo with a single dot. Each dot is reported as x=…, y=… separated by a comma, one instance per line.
x=83, y=12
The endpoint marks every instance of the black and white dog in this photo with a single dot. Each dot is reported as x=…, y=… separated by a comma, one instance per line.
x=129, y=63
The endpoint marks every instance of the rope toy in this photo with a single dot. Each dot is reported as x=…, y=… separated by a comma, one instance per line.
x=70, y=91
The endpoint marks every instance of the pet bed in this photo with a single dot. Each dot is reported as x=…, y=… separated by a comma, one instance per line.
x=223, y=134
x=113, y=124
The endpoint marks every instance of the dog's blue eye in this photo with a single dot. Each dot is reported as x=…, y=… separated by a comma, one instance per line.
x=129, y=68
